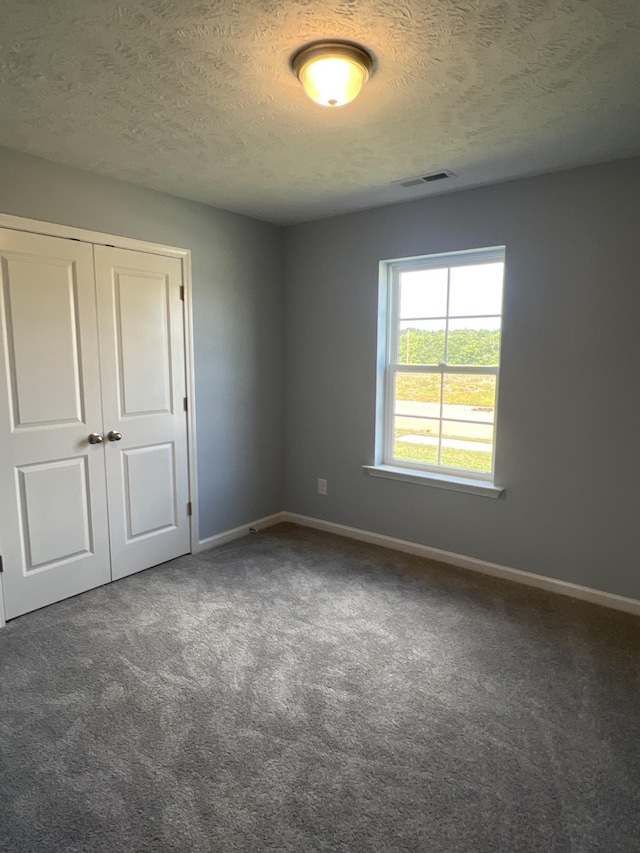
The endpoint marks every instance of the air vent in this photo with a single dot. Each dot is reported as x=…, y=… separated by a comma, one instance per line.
x=438, y=176
x=425, y=179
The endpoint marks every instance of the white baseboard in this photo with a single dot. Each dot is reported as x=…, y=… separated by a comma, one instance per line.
x=238, y=532
x=573, y=590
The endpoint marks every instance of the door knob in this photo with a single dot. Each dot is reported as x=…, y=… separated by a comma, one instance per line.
x=95, y=438
x=114, y=436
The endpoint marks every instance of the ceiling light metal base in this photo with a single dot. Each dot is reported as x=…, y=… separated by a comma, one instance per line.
x=320, y=49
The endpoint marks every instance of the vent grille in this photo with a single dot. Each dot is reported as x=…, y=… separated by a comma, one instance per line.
x=425, y=179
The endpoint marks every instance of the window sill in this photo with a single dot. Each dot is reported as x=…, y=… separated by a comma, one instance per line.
x=439, y=481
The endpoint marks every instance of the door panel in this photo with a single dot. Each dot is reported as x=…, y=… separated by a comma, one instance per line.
x=143, y=304
x=55, y=530
x=141, y=330
x=149, y=475
x=43, y=371
x=53, y=513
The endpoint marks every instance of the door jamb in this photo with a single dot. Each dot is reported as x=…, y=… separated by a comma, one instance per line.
x=68, y=232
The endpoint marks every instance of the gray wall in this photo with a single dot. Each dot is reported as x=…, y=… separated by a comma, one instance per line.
x=569, y=416
x=237, y=301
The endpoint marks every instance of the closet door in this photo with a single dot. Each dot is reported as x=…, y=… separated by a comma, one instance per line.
x=141, y=332
x=53, y=513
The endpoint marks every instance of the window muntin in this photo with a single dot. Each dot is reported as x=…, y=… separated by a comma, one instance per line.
x=444, y=319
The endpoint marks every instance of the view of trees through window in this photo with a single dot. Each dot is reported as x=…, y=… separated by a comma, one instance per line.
x=466, y=346
x=448, y=323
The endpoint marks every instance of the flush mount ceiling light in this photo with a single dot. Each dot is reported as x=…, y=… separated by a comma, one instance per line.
x=332, y=72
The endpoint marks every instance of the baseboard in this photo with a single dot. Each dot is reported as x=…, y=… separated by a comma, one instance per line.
x=584, y=593
x=238, y=532
x=572, y=590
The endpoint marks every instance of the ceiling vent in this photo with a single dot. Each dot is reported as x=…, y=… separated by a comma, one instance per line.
x=425, y=179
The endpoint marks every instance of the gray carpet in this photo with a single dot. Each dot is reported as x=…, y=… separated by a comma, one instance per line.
x=294, y=691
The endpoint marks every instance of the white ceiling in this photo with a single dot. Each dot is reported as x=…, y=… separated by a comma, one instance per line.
x=195, y=97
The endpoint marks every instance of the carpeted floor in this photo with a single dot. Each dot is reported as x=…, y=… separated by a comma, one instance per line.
x=294, y=691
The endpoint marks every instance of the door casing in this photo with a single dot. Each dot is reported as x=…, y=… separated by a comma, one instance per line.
x=50, y=229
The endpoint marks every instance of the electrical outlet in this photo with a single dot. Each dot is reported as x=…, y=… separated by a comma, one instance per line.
x=322, y=487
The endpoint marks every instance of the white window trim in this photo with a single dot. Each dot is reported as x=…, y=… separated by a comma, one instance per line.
x=385, y=465
x=440, y=480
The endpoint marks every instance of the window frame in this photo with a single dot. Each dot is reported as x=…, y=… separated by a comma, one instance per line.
x=389, y=328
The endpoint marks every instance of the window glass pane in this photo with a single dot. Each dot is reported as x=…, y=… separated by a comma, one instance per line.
x=467, y=433
x=467, y=446
x=469, y=397
x=474, y=341
x=421, y=342
x=416, y=440
x=423, y=293
x=476, y=290
x=418, y=395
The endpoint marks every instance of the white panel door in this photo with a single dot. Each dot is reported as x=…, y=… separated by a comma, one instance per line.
x=53, y=512
x=141, y=331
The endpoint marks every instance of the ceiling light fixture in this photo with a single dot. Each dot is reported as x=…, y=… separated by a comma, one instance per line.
x=332, y=73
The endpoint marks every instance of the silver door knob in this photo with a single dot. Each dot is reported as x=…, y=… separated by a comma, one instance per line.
x=114, y=436
x=95, y=438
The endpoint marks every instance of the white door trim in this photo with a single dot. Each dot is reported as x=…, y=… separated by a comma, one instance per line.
x=2, y=619
x=51, y=229
x=35, y=226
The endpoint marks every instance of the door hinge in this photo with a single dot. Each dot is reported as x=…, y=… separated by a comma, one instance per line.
x=1, y=566
x=189, y=508
x=182, y=292
x=186, y=405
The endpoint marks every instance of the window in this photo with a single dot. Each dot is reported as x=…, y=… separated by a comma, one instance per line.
x=441, y=322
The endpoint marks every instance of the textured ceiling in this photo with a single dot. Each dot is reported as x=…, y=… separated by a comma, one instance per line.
x=195, y=97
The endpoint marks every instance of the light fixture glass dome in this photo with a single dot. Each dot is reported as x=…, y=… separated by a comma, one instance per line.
x=332, y=73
